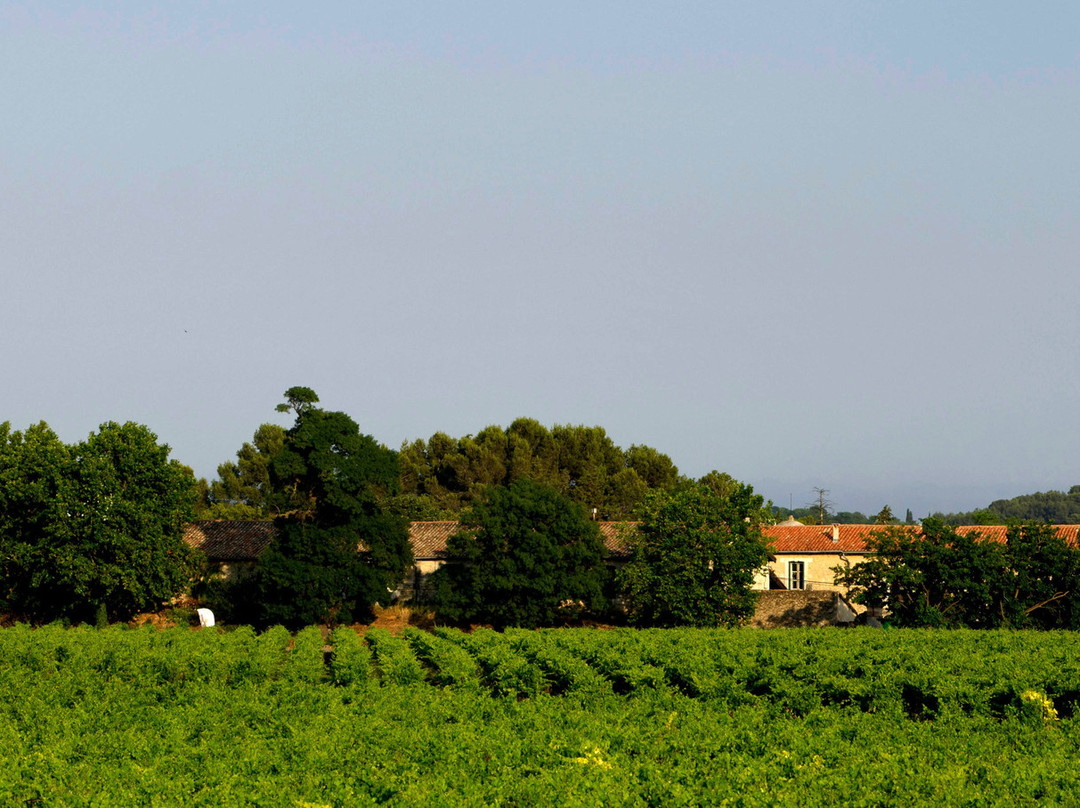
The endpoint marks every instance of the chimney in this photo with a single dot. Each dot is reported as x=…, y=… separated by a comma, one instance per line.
x=836, y=534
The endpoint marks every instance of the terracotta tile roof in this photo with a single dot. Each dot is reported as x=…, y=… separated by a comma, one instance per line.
x=429, y=538
x=997, y=532
x=244, y=541
x=852, y=538
x=818, y=538
x=223, y=540
x=615, y=534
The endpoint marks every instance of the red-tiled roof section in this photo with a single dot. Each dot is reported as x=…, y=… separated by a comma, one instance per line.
x=223, y=540
x=429, y=538
x=997, y=532
x=615, y=535
x=818, y=538
x=852, y=538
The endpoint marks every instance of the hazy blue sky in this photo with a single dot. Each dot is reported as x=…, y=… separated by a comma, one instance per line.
x=809, y=244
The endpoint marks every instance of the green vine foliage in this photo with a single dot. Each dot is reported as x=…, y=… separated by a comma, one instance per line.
x=681, y=716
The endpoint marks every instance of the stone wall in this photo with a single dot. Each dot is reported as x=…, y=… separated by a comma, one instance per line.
x=800, y=608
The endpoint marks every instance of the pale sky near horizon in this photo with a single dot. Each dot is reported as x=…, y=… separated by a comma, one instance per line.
x=805, y=243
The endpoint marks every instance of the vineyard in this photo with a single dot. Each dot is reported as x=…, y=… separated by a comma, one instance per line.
x=571, y=717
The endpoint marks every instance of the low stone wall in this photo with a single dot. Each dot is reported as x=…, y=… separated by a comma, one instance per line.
x=800, y=608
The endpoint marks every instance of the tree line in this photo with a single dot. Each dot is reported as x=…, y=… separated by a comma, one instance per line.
x=1058, y=507
x=94, y=531
x=812, y=515
x=441, y=477
x=529, y=550
x=529, y=556
x=528, y=553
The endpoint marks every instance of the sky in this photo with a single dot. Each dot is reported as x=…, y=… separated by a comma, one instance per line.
x=810, y=244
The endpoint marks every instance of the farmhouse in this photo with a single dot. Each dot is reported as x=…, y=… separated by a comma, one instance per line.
x=804, y=556
x=230, y=547
x=429, y=553
x=798, y=579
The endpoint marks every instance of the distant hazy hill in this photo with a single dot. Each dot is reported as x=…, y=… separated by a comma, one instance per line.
x=1051, y=506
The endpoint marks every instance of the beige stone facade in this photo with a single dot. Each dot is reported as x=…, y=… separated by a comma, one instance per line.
x=803, y=570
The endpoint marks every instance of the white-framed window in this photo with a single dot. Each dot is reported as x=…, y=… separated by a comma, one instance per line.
x=796, y=575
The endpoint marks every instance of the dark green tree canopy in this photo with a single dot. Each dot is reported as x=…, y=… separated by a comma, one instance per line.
x=1041, y=587
x=885, y=517
x=337, y=551
x=243, y=489
x=695, y=554
x=448, y=475
x=298, y=400
x=939, y=576
x=443, y=476
x=94, y=529
x=34, y=466
x=525, y=555
x=933, y=576
x=1056, y=507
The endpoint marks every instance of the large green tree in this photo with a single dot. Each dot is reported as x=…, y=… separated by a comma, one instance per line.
x=93, y=530
x=337, y=551
x=937, y=575
x=928, y=576
x=1040, y=587
x=33, y=468
x=242, y=489
x=445, y=475
x=526, y=556
x=695, y=554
